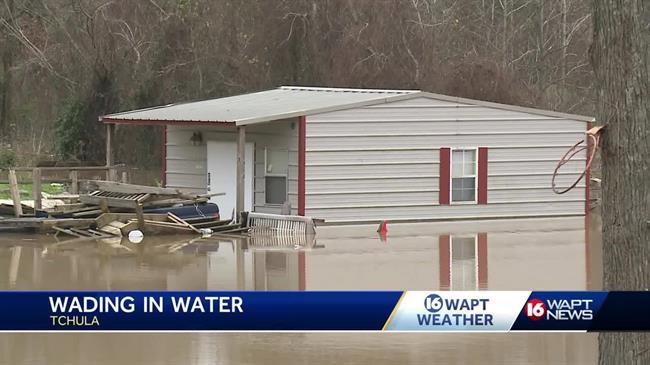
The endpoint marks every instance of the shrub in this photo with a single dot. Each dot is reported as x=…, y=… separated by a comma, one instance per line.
x=7, y=158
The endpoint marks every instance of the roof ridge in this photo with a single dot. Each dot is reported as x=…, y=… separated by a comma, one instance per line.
x=342, y=89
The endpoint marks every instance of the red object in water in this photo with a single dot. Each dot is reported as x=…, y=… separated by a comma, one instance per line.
x=383, y=228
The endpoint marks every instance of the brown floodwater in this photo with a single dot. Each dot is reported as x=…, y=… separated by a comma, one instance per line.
x=524, y=254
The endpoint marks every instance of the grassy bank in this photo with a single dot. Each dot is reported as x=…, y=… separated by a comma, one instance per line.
x=26, y=190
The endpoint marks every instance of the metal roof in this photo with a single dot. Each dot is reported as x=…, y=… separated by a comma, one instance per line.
x=280, y=103
x=291, y=101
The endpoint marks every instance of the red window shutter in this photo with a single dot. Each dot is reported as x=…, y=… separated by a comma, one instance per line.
x=445, y=182
x=482, y=175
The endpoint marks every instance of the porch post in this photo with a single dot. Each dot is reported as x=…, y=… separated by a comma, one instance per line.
x=241, y=148
x=109, y=150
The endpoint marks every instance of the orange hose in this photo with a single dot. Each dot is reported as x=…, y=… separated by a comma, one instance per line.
x=593, y=138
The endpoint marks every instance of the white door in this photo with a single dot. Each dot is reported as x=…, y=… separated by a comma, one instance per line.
x=222, y=175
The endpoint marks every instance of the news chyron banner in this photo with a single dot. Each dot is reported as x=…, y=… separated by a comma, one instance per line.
x=443, y=311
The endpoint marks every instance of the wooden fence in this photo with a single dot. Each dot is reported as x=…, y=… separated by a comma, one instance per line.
x=37, y=180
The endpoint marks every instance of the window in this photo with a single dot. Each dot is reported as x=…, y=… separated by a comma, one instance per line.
x=463, y=176
x=463, y=263
x=276, y=165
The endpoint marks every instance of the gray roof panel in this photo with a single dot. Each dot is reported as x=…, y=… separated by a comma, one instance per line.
x=283, y=102
x=292, y=101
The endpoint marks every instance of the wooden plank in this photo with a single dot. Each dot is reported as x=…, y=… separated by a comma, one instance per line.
x=118, y=187
x=15, y=194
x=175, y=218
x=128, y=227
x=143, y=198
x=82, y=233
x=155, y=227
x=140, y=215
x=74, y=182
x=67, y=231
x=103, y=205
x=168, y=202
x=88, y=213
x=36, y=188
x=70, y=208
x=111, y=202
x=107, y=218
x=68, y=168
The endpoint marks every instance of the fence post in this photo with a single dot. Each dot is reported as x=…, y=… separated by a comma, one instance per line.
x=74, y=182
x=15, y=193
x=36, y=189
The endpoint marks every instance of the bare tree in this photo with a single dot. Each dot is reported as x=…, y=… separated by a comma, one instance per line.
x=621, y=60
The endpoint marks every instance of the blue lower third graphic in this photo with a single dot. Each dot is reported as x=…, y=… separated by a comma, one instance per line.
x=449, y=311
x=186, y=311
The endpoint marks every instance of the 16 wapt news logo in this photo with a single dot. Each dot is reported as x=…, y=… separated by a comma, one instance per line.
x=559, y=309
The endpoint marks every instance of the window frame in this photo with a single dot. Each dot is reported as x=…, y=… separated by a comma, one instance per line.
x=451, y=260
x=267, y=174
x=451, y=176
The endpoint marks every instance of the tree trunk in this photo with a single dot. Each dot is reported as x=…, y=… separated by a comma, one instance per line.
x=620, y=55
x=6, y=59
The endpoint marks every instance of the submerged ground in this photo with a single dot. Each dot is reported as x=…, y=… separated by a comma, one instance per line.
x=524, y=254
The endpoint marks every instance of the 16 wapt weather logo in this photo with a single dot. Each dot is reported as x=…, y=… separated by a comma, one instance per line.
x=457, y=311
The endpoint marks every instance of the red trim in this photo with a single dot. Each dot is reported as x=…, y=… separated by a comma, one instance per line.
x=588, y=174
x=302, y=141
x=445, y=157
x=444, y=261
x=164, y=122
x=482, y=175
x=302, y=278
x=163, y=162
x=482, y=261
x=588, y=283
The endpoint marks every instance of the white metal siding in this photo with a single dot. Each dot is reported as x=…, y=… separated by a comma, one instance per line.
x=186, y=164
x=382, y=162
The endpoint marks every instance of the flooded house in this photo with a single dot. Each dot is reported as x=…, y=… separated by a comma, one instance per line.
x=351, y=155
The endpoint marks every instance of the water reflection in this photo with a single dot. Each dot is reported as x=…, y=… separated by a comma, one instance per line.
x=159, y=263
x=542, y=254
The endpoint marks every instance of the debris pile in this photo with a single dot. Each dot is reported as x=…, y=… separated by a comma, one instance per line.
x=114, y=209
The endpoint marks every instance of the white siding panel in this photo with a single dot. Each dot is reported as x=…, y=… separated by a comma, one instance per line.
x=443, y=126
x=533, y=194
x=361, y=185
x=186, y=180
x=513, y=153
x=187, y=166
x=371, y=170
x=374, y=156
x=371, y=198
x=421, y=111
x=520, y=181
x=193, y=153
x=449, y=211
x=361, y=162
x=497, y=167
x=440, y=140
x=186, y=163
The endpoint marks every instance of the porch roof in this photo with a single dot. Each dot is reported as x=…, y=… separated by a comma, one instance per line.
x=283, y=102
